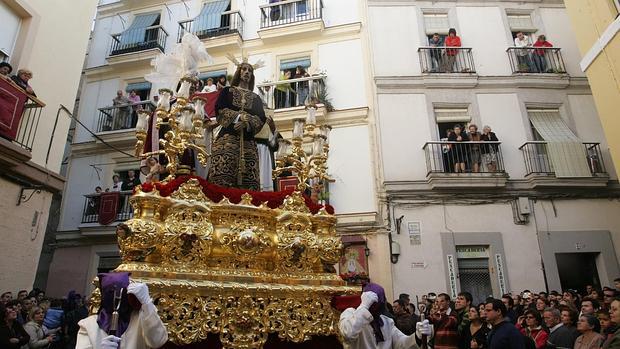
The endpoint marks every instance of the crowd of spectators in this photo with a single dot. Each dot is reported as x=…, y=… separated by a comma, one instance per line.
x=471, y=155
x=525, y=320
x=31, y=320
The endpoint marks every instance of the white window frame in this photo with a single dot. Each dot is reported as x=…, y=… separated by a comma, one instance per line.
x=439, y=30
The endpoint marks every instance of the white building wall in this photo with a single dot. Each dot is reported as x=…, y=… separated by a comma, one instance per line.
x=350, y=165
x=338, y=12
x=102, y=39
x=559, y=32
x=95, y=95
x=394, y=39
x=487, y=38
x=404, y=128
x=252, y=17
x=346, y=82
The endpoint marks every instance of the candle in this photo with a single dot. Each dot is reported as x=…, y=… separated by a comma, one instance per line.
x=199, y=108
x=164, y=99
x=325, y=130
x=317, y=146
x=143, y=120
x=184, y=89
x=185, y=119
x=298, y=128
x=283, y=148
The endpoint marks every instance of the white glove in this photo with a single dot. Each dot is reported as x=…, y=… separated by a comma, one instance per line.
x=423, y=328
x=368, y=298
x=110, y=342
x=141, y=291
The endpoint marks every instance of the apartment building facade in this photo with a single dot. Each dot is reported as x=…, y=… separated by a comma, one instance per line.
x=35, y=36
x=327, y=38
x=533, y=210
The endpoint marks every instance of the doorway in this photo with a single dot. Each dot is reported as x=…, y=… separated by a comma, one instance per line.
x=577, y=270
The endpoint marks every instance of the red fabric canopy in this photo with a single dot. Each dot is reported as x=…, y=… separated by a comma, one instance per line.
x=12, y=101
x=216, y=193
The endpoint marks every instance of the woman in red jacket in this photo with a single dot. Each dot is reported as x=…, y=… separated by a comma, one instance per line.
x=452, y=41
x=530, y=326
x=539, y=56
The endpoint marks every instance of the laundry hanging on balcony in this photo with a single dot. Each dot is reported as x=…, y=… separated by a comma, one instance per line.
x=210, y=17
x=565, y=150
x=136, y=33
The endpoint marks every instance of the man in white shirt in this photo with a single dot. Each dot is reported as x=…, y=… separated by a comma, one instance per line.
x=117, y=184
x=209, y=87
x=523, y=56
x=367, y=328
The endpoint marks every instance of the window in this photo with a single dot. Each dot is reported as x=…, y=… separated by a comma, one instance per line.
x=212, y=74
x=137, y=31
x=143, y=89
x=296, y=93
x=211, y=19
x=436, y=23
x=108, y=263
x=447, y=118
x=521, y=22
x=10, y=29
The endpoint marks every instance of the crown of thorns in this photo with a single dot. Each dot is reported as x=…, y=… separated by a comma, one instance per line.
x=244, y=60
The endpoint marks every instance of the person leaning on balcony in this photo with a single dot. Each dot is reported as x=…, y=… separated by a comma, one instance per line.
x=21, y=79
x=117, y=184
x=474, y=151
x=540, y=62
x=209, y=87
x=459, y=151
x=523, y=55
x=131, y=182
x=283, y=91
x=436, y=61
x=489, y=152
x=5, y=69
x=122, y=111
x=452, y=40
x=302, y=86
x=134, y=98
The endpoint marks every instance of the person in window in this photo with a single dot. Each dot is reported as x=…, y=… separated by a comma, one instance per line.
x=489, y=152
x=459, y=151
x=523, y=56
x=221, y=82
x=21, y=79
x=121, y=112
x=134, y=98
x=302, y=86
x=452, y=40
x=540, y=61
x=436, y=61
x=283, y=90
x=209, y=87
x=5, y=69
x=131, y=182
x=117, y=185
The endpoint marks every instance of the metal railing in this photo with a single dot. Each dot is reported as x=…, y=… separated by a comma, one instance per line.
x=538, y=60
x=139, y=39
x=121, y=117
x=467, y=158
x=231, y=22
x=446, y=60
x=290, y=11
x=90, y=213
x=29, y=123
x=293, y=92
x=537, y=161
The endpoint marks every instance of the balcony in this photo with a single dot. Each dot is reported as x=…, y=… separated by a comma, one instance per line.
x=115, y=124
x=446, y=60
x=479, y=164
x=229, y=33
x=29, y=123
x=540, y=170
x=137, y=44
x=90, y=213
x=536, y=60
x=293, y=19
x=292, y=93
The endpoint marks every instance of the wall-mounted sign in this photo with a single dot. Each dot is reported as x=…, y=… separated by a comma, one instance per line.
x=415, y=233
x=452, y=276
x=472, y=252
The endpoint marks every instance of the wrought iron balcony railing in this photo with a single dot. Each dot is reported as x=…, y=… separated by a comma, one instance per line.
x=538, y=162
x=466, y=158
x=538, y=60
x=294, y=92
x=446, y=60
x=139, y=39
x=231, y=22
x=90, y=214
x=290, y=11
x=121, y=117
x=29, y=123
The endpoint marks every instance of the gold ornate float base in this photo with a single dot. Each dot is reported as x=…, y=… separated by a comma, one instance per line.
x=238, y=270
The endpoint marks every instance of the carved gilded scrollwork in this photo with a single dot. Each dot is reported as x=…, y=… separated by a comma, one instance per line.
x=188, y=236
x=139, y=243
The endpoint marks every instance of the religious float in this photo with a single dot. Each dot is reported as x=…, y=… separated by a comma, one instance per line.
x=229, y=267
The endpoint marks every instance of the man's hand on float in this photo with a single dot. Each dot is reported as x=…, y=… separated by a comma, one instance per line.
x=110, y=342
x=141, y=291
x=368, y=299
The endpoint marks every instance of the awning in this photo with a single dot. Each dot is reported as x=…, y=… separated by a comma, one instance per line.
x=136, y=32
x=565, y=150
x=211, y=74
x=138, y=86
x=452, y=115
x=293, y=63
x=211, y=16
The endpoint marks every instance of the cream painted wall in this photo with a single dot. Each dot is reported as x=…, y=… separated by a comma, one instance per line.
x=55, y=55
x=560, y=33
x=95, y=95
x=338, y=12
x=350, y=165
x=487, y=38
x=22, y=236
x=346, y=82
x=522, y=272
x=101, y=38
x=404, y=128
x=504, y=114
x=395, y=41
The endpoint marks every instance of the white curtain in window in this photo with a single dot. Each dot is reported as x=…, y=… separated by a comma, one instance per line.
x=520, y=21
x=452, y=115
x=565, y=150
x=136, y=33
x=436, y=23
x=211, y=16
